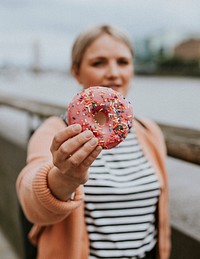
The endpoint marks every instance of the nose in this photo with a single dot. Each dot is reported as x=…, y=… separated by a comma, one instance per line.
x=113, y=70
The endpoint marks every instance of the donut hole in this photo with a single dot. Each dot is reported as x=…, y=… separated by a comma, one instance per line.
x=100, y=118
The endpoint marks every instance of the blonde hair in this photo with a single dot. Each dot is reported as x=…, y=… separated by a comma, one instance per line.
x=85, y=39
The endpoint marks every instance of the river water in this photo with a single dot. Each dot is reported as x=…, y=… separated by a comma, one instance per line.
x=170, y=100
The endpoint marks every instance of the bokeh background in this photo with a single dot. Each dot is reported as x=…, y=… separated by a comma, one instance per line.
x=52, y=25
x=35, y=44
x=36, y=39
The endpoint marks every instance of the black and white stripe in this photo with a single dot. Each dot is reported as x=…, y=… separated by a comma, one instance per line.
x=120, y=202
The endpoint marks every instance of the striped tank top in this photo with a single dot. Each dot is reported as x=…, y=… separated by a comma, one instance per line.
x=121, y=199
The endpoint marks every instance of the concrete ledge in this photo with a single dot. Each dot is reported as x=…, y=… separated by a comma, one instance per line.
x=6, y=250
x=12, y=159
x=184, y=246
x=184, y=192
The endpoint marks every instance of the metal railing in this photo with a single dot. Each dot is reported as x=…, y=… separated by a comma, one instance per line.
x=182, y=143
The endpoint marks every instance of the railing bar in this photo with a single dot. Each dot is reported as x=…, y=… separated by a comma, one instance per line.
x=182, y=143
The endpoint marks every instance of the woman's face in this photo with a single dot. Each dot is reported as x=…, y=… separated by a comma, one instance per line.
x=106, y=62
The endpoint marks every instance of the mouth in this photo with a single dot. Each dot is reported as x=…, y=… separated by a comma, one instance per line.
x=114, y=87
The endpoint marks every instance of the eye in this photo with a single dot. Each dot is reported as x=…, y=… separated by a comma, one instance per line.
x=98, y=63
x=123, y=61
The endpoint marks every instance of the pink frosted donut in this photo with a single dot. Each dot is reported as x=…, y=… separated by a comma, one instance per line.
x=112, y=107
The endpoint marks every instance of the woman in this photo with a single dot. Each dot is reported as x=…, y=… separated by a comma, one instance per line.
x=97, y=203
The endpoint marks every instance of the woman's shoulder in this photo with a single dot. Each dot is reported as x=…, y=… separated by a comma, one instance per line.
x=52, y=123
x=47, y=129
x=149, y=126
x=152, y=131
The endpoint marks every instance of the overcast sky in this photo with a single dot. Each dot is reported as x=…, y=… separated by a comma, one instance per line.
x=61, y=20
x=138, y=16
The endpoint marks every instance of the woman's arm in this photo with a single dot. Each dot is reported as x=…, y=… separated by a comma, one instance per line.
x=45, y=184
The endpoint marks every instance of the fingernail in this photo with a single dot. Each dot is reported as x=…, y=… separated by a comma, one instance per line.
x=99, y=148
x=76, y=127
x=88, y=133
x=93, y=141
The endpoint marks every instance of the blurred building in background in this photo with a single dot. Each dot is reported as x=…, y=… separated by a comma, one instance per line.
x=168, y=53
x=188, y=50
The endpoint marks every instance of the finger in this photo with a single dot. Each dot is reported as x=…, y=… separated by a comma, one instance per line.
x=75, y=143
x=80, y=155
x=90, y=159
x=64, y=135
x=71, y=146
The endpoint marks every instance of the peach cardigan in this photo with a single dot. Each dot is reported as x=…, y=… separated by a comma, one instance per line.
x=59, y=229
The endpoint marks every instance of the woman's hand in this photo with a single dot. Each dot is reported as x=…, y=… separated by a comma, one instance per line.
x=73, y=152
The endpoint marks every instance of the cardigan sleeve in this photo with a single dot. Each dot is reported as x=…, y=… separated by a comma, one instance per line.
x=37, y=201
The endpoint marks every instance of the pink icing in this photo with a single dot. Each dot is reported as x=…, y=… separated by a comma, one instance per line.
x=117, y=110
